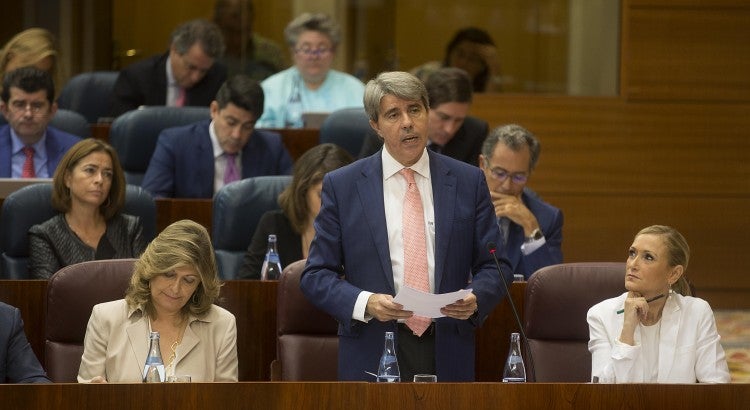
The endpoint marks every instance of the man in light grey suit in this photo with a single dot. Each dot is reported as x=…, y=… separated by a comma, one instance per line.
x=359, y=239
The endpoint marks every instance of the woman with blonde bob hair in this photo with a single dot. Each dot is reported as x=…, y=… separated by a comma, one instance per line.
x=655, y=332
x=32, y=47
x=173, y=289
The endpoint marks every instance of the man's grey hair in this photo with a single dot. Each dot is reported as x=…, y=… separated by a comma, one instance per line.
x=397, y=83
x=514, y=137
x=200, y=31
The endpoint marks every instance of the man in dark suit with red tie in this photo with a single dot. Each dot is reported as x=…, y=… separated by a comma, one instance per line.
x=363, y=253
x=187, y=74
x=29, y=147
x=451, y=131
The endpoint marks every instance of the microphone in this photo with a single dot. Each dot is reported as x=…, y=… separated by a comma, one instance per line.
x=491, y=247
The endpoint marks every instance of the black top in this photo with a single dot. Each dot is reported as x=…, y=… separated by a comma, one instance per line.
x=53, y=245
x=288, y=243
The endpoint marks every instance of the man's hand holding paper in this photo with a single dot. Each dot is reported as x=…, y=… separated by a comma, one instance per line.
x=459, y=304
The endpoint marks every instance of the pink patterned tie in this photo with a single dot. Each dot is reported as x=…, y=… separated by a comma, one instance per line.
x=28, y=166
x=415, y=248
x=180, y=101
x=230, y=172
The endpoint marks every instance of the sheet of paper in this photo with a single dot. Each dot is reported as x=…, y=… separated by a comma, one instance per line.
x=427, y=304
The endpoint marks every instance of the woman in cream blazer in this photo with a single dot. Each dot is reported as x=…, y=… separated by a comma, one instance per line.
x=173, y=289
x=642, y=336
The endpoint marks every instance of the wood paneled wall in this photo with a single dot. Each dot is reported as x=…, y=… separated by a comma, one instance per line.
x=673, y=149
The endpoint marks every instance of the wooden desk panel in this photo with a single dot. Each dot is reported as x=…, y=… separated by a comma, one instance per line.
x=298, y=140
x=333, y=396
x=170, y=210
x=254, y=305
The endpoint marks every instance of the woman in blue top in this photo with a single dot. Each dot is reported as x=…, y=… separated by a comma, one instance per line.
x=310, y=85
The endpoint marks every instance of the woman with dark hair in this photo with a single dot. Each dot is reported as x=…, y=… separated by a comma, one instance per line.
x=173, y=289
x=300, y=203
x=88, y=188
x=472, y=50
x=656, y=332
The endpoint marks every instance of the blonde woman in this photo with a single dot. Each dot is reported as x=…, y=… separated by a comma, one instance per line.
x=656, y=332
x=32, y=47
x=172, y=291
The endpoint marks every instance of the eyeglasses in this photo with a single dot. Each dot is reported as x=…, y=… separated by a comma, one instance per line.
x=20, y=106
x=501, y=175
x=313, y=52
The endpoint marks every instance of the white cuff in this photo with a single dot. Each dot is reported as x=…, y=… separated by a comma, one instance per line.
x=529, y=247
x=360, y=307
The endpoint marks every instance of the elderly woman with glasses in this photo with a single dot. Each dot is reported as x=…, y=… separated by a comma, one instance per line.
x=531, y=228
x=310, y=85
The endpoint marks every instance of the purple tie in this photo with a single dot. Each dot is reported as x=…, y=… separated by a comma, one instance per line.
x=230, y=172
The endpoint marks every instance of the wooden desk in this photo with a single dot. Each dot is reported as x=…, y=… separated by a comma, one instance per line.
x=298, y=140
x=170, y=210
x=254, y=305
x=332, y=396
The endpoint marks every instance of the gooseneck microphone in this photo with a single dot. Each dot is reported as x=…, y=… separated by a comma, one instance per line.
x=491, y=247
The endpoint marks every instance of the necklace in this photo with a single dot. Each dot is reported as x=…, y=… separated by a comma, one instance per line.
x=173, y=355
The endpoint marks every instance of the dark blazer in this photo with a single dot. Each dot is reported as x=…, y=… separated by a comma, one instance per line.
x=465, y=146
x=183, y=163
x=57, y=144
x=550, y=222
x=145, y=83
x=288, y=243
x=352, y=240
x=18, y=364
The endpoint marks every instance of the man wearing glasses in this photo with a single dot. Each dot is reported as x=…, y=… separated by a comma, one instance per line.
x=29, y=148
x=531, y=229
x=187, y=74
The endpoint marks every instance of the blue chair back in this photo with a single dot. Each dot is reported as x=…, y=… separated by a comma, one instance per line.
x=68, y=121
x=89, y=94
x=134, y=134
x=237, y=209
x=346, y=128
x=32, y=205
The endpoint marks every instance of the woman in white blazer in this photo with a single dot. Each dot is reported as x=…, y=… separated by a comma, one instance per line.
x=643, y=337
x=173, y=289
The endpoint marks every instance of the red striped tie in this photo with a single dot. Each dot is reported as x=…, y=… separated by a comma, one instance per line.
x=28, y=165
x=415, y=248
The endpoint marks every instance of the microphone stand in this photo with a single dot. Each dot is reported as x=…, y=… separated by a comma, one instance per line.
x=492, y=248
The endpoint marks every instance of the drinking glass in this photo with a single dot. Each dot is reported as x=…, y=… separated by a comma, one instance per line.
x=183, y=378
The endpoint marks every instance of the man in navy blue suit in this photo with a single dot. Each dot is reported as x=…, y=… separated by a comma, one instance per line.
x=531, y=229
x=28, y=146
x=18, y=364
x=194, y=161
x=356, y=262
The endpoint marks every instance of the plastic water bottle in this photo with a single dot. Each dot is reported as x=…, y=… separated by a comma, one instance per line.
x=153, y=370
x=293, y=115
x=515, y=371
x=271, y=269
x=388, y=371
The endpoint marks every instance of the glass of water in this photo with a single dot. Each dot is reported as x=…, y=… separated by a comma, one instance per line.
x=425, y=378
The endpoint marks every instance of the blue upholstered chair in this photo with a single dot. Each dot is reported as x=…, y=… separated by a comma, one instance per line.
x=134, y=134
x=237, y=210
x=346, y=128
x=89, y=94
x=32, y=205
x=68, y=121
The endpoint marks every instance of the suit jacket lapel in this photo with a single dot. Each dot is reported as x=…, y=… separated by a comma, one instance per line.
x=444, y=202
x=204, y=163
x=5, y=152
x=139, y=341
x=189, y=341
x=670, y=323
x=370, y=190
